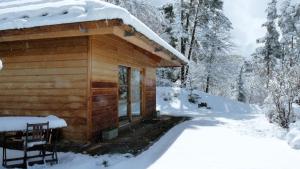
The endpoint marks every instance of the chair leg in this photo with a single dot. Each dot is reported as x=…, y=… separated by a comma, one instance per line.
x=4, y=156
x=44, y=154
x=25, y=159
x=4, y=162
x=55, y=156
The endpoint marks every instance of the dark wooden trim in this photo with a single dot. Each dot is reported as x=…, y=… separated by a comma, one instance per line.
x=104, y=85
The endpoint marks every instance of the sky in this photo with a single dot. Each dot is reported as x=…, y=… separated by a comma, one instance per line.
x=247, y=16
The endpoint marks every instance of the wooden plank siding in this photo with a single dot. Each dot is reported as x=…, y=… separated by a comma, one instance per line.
x=75, y=78
x=108, y=52
x=149, y=92
x=47, y=77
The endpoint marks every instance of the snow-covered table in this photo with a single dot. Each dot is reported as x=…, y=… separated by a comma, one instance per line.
x=18, y=126
x=19, y=123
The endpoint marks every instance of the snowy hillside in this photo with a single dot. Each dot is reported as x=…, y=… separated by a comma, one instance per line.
x=179, y=105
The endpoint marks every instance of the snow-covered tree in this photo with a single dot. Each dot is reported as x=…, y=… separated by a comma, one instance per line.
x=215, y=43
x=284, y=88
x=271, y=51
x=289, y=39
x=279, y=62
x=144, y=11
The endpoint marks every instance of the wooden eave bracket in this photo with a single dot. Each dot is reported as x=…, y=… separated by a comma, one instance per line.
x=129, y=33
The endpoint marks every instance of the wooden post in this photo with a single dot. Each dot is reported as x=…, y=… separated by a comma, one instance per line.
x=129, y=110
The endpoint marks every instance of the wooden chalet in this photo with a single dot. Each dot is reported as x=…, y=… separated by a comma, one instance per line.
x=96, y=74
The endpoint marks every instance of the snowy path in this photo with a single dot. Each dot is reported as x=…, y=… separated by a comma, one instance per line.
x=219, y=143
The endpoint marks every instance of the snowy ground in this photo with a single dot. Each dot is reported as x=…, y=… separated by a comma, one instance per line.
x=229, y=136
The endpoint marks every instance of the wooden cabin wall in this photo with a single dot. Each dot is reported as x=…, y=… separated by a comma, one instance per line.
x=47, y=77
x=149, y=92
x=108, y=52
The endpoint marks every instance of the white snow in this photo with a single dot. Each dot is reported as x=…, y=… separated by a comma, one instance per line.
x=1, y=65
x=16, y=14
x=180, y=106
x=298, y=26
x=16, y=123
x=293, y=135
x=220, y=138
x=230, y=135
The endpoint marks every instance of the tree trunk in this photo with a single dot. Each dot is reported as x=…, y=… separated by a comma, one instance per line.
x=184, y=41
x=207, y=84
x=192, y=40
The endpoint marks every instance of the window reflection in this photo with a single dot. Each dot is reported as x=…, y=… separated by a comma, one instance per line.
x=135, y=92
x=123, y=92
x=132, y=93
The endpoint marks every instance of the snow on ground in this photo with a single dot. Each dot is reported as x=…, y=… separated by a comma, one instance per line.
x=230, y=135
x=180, y=106
x=293, y=136
x=78, y=161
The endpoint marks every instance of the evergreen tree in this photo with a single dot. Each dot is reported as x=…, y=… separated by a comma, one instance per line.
x=271, y=51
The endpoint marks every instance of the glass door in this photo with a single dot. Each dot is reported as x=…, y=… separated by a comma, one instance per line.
x=136, y=100
x=123, y=93
x=130, y=97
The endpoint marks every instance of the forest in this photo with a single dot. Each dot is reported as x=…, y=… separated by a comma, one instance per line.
x=199, y=29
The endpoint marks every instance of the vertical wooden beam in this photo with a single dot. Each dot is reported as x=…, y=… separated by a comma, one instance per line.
x=118, y=96
x=89, y=90
x=143, y=81
x=129, y=109
x=141, y=91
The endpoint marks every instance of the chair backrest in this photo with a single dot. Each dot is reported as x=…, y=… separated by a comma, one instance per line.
x=37, y=132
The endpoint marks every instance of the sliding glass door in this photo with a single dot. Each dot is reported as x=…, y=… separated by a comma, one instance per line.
x=136, y=100
x=129, y=93
x=123, y=93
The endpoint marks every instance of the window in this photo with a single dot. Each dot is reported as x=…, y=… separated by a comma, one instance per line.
x=136, y=92
x=129, y=93
x=123, y=92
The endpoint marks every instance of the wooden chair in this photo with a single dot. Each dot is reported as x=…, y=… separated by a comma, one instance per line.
x=38, y=137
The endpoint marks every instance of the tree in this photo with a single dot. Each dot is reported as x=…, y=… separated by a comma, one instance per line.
x=285, y=83
x=144, y=11
x=284, y=88
x=271, y=51
x=241, y=92
x=279, y=62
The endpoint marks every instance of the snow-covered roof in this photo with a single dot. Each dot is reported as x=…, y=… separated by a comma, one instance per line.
x=17, y=14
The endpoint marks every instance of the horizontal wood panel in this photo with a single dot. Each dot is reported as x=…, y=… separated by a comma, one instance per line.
x=47, y=64
x=49, y=71
x=44, y=85
x=46, y=77
x=29, y=112
x=104, y=85
x=42, y=106
x=43, y=99
x=43, y=78
x=41, y=44
x=44, y=57
x=46, y=51
x=105, y=91
x=41, y=92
